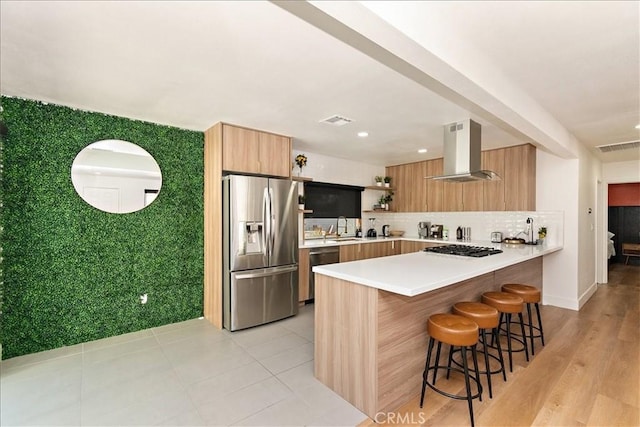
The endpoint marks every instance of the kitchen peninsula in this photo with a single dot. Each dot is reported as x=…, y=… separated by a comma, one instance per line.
x=370, y=316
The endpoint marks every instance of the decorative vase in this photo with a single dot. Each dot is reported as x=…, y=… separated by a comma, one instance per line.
x=301, y=207
x=379, y=184
x=386, y=184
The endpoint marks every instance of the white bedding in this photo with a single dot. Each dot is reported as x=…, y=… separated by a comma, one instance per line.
x=611, y=249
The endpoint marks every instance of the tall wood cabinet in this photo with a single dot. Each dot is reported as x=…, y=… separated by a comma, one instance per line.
x=233, y=149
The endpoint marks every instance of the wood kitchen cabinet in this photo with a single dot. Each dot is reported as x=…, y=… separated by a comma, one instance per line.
x=434, y=190
x=520, y=178
x=410, y=194
x=252, y=151
x=303, y=274
x=410, y=246
x=368, y=250
x=493, y=191
x=515, y=191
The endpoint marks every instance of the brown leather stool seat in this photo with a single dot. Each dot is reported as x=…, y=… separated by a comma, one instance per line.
x=530, y=295
x=487, y=318
x=508, y=304
x=456, y=331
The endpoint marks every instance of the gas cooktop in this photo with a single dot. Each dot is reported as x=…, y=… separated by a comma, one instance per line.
x=464, y=250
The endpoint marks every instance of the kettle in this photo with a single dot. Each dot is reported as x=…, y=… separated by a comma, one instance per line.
x=385, y=230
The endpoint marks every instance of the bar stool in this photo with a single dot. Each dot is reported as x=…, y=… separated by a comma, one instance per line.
x=456, y=331
x=530, y=295
x=508, y=304
x=487, y=318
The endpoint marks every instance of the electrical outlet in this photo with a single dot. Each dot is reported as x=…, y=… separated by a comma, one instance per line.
x=143, y=298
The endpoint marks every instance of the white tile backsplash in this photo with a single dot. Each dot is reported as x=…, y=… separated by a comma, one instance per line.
x=481, y=223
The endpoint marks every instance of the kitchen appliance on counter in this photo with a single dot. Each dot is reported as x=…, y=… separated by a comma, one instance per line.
x=386, y=230
x=371, y=232
x=260, y=250
x=424, y=229
x=464, y=250
x=436, y=231
x=496, y=237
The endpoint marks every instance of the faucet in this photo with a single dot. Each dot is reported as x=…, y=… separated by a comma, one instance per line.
x=530, y=230
x=341, y=225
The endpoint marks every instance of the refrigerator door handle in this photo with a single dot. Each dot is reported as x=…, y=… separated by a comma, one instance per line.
x=266, y=218
x=265, y=273
x=272, y=219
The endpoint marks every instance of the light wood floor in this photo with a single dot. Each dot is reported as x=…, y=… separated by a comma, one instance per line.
x=588, y=374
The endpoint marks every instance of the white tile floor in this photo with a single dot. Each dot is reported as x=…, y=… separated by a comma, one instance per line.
x=187, y=373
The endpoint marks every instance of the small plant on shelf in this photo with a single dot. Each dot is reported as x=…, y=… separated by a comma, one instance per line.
x=301, y=200
x=379, y=180
x=387, y=181
x=301, y=161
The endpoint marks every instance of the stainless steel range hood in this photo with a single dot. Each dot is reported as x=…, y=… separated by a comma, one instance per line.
x=463, y=155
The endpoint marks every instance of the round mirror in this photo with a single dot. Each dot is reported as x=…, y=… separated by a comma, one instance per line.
x=116, y=176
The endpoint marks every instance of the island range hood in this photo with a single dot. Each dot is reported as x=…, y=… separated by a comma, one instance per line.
x=463, y=155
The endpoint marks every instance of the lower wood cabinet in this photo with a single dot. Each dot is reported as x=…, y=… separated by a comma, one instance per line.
x=410, y=246
x=368, y=250
x=303, y=274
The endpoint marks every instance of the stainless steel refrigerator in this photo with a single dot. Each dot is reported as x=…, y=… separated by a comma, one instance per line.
x=260, y=249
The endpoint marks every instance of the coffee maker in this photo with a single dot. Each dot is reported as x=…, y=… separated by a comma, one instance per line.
x=436, y=231
x=424, y=229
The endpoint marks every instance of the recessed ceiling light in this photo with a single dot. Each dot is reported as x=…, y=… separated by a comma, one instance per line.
x=363, y=134
x=422, y=150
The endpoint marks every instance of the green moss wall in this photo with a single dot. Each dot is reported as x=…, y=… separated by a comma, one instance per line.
x=72, y=273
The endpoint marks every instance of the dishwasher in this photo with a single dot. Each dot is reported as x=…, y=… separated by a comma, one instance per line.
x=321, y=256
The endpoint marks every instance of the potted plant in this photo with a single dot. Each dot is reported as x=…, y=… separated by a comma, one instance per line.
x=301, y=161
x=542, y=233
x=383, y=202
x=388, y=199
x=387, y=181
x=379, y=181
x=301, y=200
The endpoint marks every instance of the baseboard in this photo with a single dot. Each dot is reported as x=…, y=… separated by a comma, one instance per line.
x=587, y=294
x=561, y=302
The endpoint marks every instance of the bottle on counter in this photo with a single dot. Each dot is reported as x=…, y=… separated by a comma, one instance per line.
x=459, y=233
x=445, y=233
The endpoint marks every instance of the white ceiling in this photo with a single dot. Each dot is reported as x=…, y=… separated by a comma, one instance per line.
x=550, y=73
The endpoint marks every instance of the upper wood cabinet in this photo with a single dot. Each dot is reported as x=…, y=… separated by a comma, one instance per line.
x=251, y=151
x=410, y=193
x=514, y=192
x=493, y=191
x=520, y=178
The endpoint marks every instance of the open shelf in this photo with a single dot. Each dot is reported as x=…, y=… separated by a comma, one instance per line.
x=305, y=210
x=301, y=178
x=378, y=211
x=379, y=188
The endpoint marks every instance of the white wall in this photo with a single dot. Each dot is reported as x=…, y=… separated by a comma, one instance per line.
x=589, y=175
x=340, y=171
x=557, y=190
x=621, y=172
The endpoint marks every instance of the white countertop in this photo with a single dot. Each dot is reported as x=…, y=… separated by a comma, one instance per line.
x=314, y=243
x=416, y=273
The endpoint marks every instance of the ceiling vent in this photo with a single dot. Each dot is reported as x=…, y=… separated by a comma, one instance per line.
x=336, y=120
x=629, y=145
